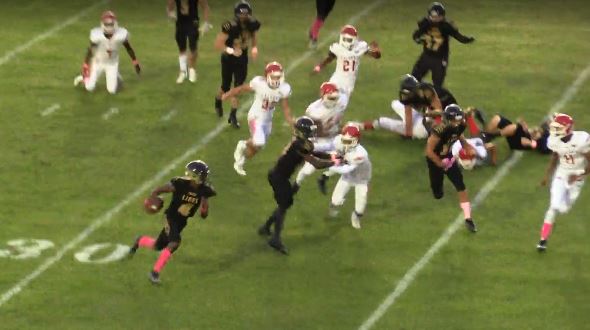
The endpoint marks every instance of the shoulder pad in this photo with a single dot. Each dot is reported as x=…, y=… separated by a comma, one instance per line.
x=253, y=25
x=226, y=26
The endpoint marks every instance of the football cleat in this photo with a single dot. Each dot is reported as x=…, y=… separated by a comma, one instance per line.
x=233, y=121
x=264, y=231
x=78, y=80
x=133, y=249
x=470, y=225
x=192, y=75
x=322, y=181
x=542, y=246
x=181, y=77
x=154, y=277
x=278, y=245
x=355, y=220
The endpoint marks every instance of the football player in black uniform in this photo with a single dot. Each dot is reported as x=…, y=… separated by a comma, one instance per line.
x=323, y=9
x=300, y=150
x=189, y=192
x=187, y=27
x=441, y=162
x=233, y=42
x=433, y=33
x=518, y=135
x=419, y=104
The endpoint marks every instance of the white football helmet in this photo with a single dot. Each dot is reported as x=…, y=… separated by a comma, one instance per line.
x=350, y=136
x=348, y=36
x=467, y=162
x=108, y=22
x=561, y=126
x=330, y=94
x=274, y=74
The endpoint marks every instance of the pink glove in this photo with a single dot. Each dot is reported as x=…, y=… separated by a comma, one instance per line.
x=317, y=68
x=448, y=162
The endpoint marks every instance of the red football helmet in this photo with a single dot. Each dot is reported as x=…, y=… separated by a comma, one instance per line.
x=348, y=36
x=350, y=136
x=274, y=74
x=562, y=125
x=108, y=22
x=330, y=94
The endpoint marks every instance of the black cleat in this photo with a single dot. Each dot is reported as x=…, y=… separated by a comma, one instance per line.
x=219, y=112
x=278, y=245
x=542, y=246
x=322, y=180
x=233, y=121
x=264, y=231
x=154, y=277
x=470, y=225
x=133, y=248
x=295, y=187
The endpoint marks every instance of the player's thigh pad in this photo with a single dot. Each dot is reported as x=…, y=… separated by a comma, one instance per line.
x=340, y=191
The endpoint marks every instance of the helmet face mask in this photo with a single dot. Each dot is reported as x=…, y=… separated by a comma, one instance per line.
x=350, y=137
x=108, y=22
x=330, y=94
x=436, y=12
x=561, y=126
x=274, y=74
x=197, y=171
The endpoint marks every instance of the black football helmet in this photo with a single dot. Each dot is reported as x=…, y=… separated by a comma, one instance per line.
x=407, y=86
x=197, y=170
x=305, y=128
x=436, y=9
x=243, y=8
x=453, y=113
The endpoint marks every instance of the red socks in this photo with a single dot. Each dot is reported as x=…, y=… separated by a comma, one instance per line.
x=546, y=230
x=315, y=28
x=162, y=260
x=146, y=242
x=473, y=129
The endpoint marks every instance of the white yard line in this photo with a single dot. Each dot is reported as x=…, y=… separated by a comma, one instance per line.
x=169, y=115
x=144, y=187
x=111, y=112
x=13, y=53
x=48, y=111
x=490, y=185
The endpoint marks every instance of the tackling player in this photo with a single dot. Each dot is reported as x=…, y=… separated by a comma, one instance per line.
x=569, y=165
x=189, y=193
x=233, y=42
x=103, y=54
x=441, y=162
x=186, y=16
x=348, y=52
x=433, y=33
x=269, y=91
x=299, y=150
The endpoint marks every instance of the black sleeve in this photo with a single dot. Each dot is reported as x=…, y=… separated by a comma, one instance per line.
x=321, y=155
x=208, y=191
x=254, y=25
x=454, y=32
x=422, y=27
x=226, y=27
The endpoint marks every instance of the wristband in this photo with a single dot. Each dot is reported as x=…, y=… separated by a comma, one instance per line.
x=229, y=50
x=135, y=62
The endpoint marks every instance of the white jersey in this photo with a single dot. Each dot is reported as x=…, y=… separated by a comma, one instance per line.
x=477, y=144
x=571, y=153
x=266, y=98
x=328, y=118
x=107, y=49
x=347, y=64
x=358, y=168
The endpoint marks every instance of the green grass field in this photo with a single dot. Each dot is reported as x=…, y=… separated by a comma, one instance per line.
x=60, y=173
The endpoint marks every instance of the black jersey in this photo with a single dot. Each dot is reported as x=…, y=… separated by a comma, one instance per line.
x=292, y=157
x=187, y=10
x=187, y=197
x=435, y=36
x=421, y=97
x=238, y=34
x=445, y=97
x=448, y=135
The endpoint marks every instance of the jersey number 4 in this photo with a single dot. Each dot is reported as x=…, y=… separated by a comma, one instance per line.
x=349, y=65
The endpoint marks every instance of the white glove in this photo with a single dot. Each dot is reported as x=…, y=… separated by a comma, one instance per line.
x=205, y=27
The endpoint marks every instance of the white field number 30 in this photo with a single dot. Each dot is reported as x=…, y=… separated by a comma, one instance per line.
x=20, y=249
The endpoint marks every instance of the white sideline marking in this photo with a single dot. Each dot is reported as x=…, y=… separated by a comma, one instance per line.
x=169, y=115
x=411, y=274
x=111, y=112
x=105, y=218
x=13, y=53
x=50, y=110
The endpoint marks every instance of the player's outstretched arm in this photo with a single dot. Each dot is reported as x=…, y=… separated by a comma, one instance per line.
x=331, y=56
x=374, y=51
x=460, y=37
x=319, y=163
x=204, y=209
x=409, y=120
x=167, y=188
x=254, y=43
x=131, y=53
x=550, y=168
x=236, y=91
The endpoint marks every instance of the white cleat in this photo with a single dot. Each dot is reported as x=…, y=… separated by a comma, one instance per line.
x=192, y=75
x=181, y=77
x=239, y=167
x=78, y=80
x=333, y=211
x=355, y=221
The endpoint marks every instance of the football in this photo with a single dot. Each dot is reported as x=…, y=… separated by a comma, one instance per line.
x=153, y=205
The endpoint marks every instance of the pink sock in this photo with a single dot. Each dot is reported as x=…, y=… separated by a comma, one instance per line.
x=466, y=209
x=162, y=260
x=546, y=230
x=472, y=125
x=146, y=242
x=315, y=28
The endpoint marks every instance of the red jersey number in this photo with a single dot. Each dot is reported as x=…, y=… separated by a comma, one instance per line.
x=349, y=65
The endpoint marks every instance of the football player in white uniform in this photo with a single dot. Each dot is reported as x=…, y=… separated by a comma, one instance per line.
x=269, y=90
x=355, y=173
x=569, y=165
x=105, y=42
x=348, y=52
x=481, y=157
x=327, y=112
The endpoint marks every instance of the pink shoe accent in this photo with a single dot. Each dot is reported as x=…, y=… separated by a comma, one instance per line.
x=162, y=260
x=466, y=209
x=546, y=230
x=146, y=242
